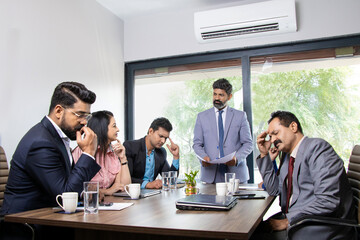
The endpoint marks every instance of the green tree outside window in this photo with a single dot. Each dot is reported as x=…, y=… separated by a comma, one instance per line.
x=322, y=99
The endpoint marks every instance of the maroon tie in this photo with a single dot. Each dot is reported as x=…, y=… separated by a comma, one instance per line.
x=289, y=188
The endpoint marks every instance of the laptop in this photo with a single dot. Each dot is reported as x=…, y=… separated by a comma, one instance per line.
x=143, y=194
x=206, y=202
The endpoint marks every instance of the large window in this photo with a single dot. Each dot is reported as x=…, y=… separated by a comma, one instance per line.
x=318, y=81
x=179, y=94
x=320, y=87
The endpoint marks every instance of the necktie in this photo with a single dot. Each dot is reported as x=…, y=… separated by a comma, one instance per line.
x=289, y=188
x=221, y=134
x=222, y=168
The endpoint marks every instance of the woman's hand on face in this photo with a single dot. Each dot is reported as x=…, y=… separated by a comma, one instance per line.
x=119, y=149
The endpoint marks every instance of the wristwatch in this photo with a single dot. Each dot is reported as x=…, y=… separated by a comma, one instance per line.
x=124, y=163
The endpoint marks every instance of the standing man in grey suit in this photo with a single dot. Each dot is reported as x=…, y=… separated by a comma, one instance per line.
x=220, y=131
x=311, y=179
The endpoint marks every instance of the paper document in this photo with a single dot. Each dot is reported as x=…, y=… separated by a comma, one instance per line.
x=115, y=206
x=224, y=159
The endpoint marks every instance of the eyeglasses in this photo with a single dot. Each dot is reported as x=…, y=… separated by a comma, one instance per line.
x=85, y=116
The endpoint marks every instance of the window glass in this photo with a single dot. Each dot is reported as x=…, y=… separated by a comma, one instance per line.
x=321, y=90
x=179, y=94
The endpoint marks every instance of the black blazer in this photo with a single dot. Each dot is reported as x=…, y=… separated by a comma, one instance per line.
x=40, y=170
x=136, y=156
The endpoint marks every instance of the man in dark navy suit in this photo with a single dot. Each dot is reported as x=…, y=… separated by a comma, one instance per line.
x=42, y=165
x=147, y=157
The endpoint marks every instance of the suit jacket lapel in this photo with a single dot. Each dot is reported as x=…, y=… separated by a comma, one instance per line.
x=157, y=164
x=284, y=173
x=142, y=156
x=212, y=117
x=58, y=141
x=228, y=120
x=298, y=161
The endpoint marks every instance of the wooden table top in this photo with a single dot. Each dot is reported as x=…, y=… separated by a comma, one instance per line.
x=158, y=215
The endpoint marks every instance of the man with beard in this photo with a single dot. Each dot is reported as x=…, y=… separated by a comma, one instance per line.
x=220, y=131
x=147, y=158
x=311, y=180
x=42, y=166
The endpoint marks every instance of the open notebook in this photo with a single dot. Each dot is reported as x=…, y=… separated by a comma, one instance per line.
x=206, y=202
x=143, y=194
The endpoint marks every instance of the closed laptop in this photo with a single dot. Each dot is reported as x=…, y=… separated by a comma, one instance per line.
x=206, y=202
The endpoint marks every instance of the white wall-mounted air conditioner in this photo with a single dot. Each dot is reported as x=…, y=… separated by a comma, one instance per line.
x=250, y=20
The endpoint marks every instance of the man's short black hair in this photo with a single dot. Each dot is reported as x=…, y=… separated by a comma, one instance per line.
x=286, y=118
x=161, y=122
x=68, y=93
x=223, y=84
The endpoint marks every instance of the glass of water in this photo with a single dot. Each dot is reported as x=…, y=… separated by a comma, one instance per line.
x=91, y=197
x=173, y=179
x=230, y=180
x=165, y=176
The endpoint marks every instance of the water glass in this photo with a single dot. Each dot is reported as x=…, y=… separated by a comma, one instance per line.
x=230, y=180
x=237, y=183
x=91, y=197
x=165, y=181
x=173, y=179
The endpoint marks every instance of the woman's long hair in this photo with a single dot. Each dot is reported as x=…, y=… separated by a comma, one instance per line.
x=99, y=123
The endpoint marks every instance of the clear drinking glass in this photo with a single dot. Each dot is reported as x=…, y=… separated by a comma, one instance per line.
x=173, y=179
x=230, y=180
x=165, y=181
x=91, y=197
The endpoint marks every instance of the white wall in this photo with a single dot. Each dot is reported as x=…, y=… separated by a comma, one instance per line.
x=45, y=42
x=172, y=33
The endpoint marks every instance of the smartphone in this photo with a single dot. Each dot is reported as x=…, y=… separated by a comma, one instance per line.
x=107, y=204
x=249, y=196
x=237, y=194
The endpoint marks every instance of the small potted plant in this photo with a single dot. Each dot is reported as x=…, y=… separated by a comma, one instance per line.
x=190, y=183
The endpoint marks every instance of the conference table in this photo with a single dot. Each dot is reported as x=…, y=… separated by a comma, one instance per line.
x=156, y=217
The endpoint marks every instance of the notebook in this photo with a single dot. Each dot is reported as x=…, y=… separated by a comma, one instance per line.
x=143, y=194
x=206, y=202
x=241, y=195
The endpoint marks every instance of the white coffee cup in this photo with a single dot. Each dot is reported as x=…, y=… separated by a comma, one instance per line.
x=133, y=190
x=69, y=200
x=221, y=188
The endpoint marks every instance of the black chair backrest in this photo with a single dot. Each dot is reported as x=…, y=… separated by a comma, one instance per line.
x=354, y=176
x=4, y=173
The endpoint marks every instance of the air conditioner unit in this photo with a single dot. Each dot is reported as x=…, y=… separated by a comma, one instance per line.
x=250, y=20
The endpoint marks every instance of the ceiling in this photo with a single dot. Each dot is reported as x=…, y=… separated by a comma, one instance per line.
x=132, y=8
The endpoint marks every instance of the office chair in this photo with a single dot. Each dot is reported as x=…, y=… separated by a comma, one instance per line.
x=4, y=173
x=353, y=175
